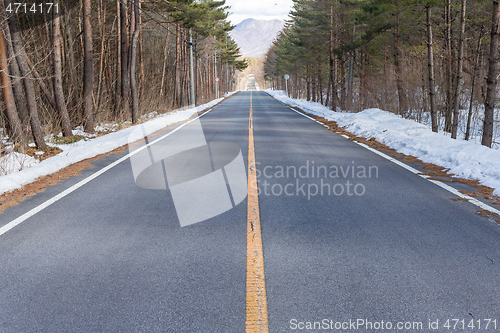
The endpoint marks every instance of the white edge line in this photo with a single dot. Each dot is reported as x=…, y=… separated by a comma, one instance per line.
x=64, y=193
x=448, y=188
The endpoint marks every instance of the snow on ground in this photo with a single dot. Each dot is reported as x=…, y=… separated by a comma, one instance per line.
x=14, y=162
x=465, y=159
x=17, y=169
x=476, y=128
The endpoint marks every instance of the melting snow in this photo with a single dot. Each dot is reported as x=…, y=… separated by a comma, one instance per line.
x=465, y=159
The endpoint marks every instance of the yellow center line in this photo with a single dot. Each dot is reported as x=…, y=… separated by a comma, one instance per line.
x=256, y=286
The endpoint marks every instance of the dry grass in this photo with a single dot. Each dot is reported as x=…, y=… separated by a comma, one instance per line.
x=49, y=152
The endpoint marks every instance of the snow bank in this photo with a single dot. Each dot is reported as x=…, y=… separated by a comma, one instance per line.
x=14, y=162
x=464, y=158
x=83, y=149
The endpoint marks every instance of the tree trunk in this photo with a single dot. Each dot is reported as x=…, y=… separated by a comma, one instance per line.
x=402, y=106
x=72, y=68
x=350, y=95
x=308, y=84
x=125, y=89
x=449, y=80
x=430, y=61
x=185, y=71
x=333, y=57
x=58, y=89
x=16, y=81
x=335, y=60
x=473, y=84
x=118, y=68
x=312, y=78
x=209, y=78
x=133, y=61
x=458, y=82
x=320, y=84
x=342, y=85
x=29, y=87
x=88, y=68
x=8, y=96
x=141, y=54
x=102, y=23
x=164, y=67
x=177, y=69
x=293, y=83
x=489, y=104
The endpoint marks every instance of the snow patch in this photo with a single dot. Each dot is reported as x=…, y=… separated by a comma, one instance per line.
x=14, y=162
x=465, y=159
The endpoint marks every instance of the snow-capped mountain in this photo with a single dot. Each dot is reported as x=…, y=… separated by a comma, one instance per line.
x=254, y=37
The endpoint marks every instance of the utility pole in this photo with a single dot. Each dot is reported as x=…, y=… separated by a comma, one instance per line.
x=216, y=76
x=227, y=72
x=191, y=69
x=286, y=77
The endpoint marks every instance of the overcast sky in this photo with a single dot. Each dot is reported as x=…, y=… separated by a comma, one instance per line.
x=258, y=9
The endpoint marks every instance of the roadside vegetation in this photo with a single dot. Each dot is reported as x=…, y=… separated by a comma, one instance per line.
x=434, y=61
x=102, y=61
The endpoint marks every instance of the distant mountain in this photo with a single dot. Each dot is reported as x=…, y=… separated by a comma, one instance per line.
x=254, y=37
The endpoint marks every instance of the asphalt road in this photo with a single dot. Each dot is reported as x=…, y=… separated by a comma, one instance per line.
x=379, y=244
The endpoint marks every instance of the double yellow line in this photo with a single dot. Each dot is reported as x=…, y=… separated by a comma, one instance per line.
x=256, y=286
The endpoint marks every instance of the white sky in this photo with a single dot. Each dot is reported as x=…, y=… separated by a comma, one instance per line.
x=258, y=9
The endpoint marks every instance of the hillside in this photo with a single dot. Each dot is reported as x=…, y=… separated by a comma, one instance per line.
x=254, y=37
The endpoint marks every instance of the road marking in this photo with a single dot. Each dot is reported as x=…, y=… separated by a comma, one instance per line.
x=256, y=286
x=308, y=117
x=73, y=188
x=448, y=188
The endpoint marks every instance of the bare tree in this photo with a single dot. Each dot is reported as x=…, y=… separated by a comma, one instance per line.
x=402, y=105
x=52, y=67
x=133, y=60
x=118, y=68
x=29, y=87
x=70, y=56
x=333, y=57
x=58, y=89
x=475, y=73
x=164, y=66
x=8, y=96
x=449, y=80
x=17, y=85
x=88, y=71
x=489, y=103
x=458, y=81
x=125, y=77
x=430, y=61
